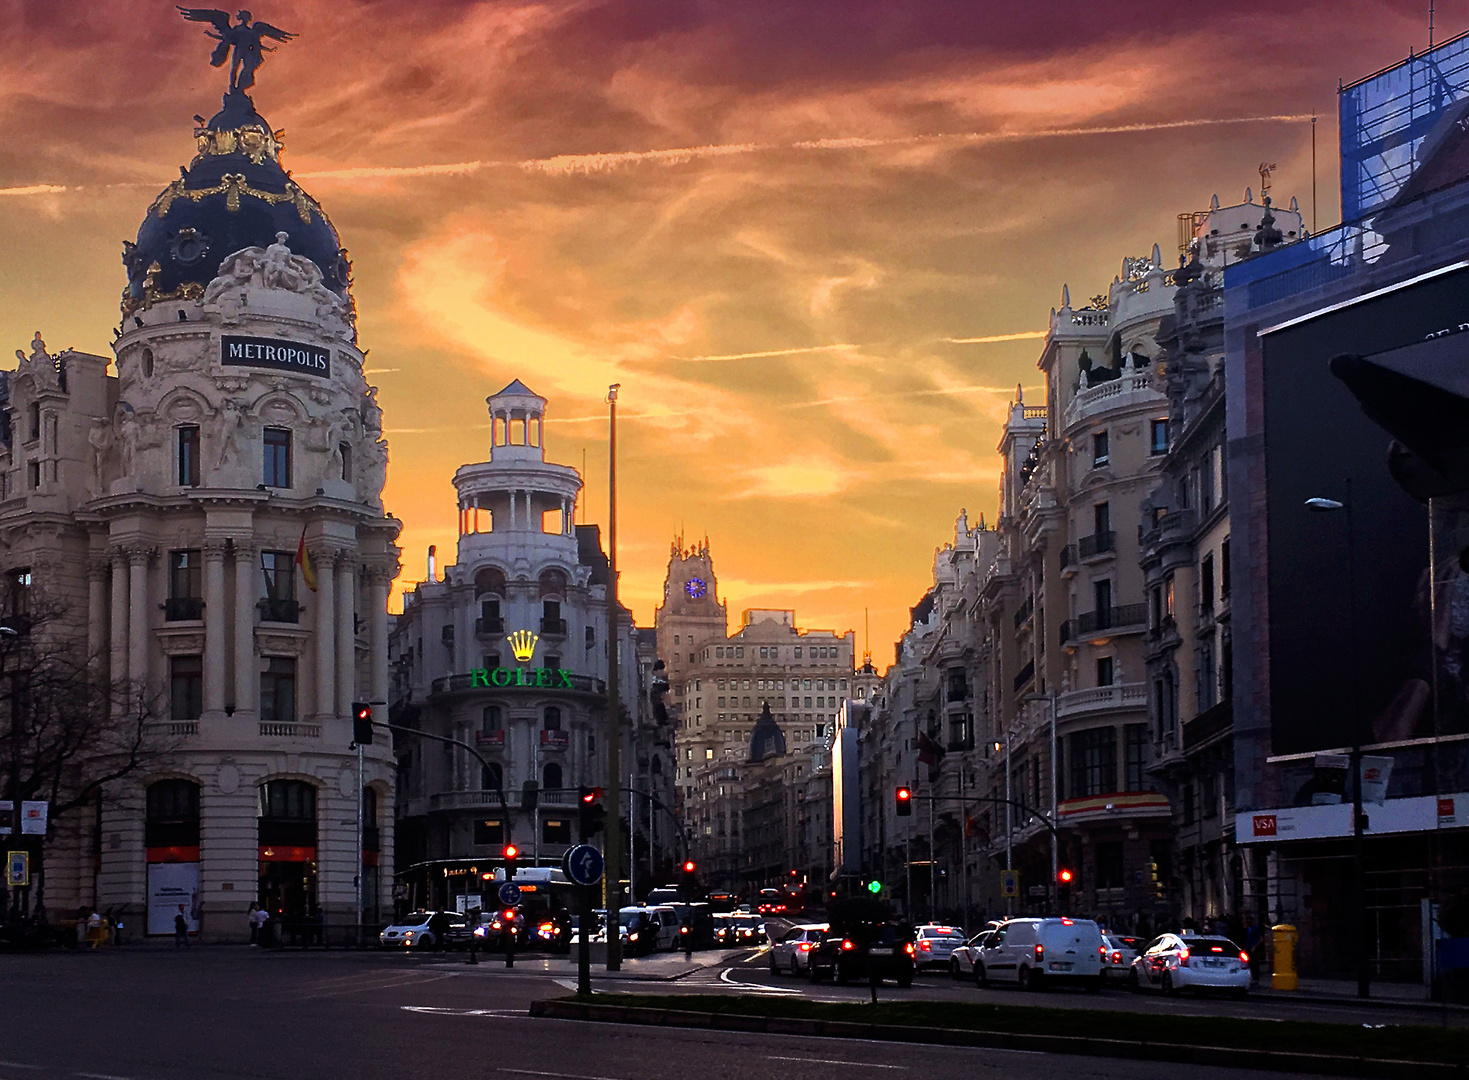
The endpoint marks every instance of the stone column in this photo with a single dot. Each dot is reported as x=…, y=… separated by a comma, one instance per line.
x=214, y=645
x=138, y=604
x=346, y=634
x=378, y=592
x=96, y=612
x=326, y=638
x=118, y=672
x=247, y=671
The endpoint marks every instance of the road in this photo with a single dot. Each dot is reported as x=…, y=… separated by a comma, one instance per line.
x=225, y=1013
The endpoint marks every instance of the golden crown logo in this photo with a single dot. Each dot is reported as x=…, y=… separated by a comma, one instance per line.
x=523, y=644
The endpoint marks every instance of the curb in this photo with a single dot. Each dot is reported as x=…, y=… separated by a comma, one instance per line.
x=1235, y=1057
x=1422, y=1005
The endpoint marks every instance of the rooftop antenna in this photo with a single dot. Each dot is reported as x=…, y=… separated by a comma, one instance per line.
x=866, y=638
x=1265, y=170
x=1430, y=24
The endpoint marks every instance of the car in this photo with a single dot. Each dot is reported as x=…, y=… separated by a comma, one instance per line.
x=962, y=959
x=1121, y=951
x=862, y=950
x=1036, y=953
x=793, y=951
x=934, y=943
x=1174, y=962
x=418, y=931
x=640, y=931
x=748, y=930
x=770, y=903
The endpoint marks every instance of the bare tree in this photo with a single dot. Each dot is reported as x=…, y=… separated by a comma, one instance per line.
x=65, y=731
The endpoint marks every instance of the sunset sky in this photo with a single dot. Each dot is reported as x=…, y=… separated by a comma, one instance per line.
x=817, y=241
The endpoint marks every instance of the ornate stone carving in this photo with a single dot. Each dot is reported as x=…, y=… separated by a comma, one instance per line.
x=280, y=643
x=228, y=431
x=274, y=267
x=39, y=365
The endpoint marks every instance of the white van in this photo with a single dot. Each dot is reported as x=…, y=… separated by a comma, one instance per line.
x=1034, y=953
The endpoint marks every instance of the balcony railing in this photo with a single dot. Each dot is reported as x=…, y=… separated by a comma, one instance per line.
x=1023, y=611
x=1089, y=547
x=1113, y=618
x=274, y=610
x=173, y=729
x=488, y=627
x=1068, y=556
x=183, y=608
x=1102, y=698
x=1129, y=389
x=1026, y=674
x=290, y=731
x=554, y=627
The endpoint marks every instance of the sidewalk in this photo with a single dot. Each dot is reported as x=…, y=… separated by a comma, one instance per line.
x=1344, y=991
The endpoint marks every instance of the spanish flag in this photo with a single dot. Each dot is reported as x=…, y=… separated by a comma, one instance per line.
x=303, y=560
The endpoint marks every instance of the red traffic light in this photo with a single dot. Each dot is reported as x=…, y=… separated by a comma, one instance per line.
x=511, y=851
x=508, y=915
x=1064, y=877
x=363, y=711
x=688, y=867
x=904, y=794
x=590, y=795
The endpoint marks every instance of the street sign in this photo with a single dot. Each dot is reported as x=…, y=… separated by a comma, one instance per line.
x=509, y=894
x=1009, y=882
x=584, y=864
x=33, y=817
x=18, y=869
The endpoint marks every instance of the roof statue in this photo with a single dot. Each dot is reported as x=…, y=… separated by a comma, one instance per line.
x=244, y=37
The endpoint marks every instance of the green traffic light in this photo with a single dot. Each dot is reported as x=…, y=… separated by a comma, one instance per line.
x=874, y=887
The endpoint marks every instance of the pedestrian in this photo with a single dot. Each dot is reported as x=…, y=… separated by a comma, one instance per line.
x=95, y=930
x=1254, y=938
x=438, y=926
x=81, y=926
x=180, y=930
x=251, y=922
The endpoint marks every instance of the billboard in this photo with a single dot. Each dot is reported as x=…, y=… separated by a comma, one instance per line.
x=1352, y=638
x=170, y=887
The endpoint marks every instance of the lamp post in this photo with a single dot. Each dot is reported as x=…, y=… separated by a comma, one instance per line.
x=614, y=705
x=1359, y=874
x=1050, y=698
x=1009, y=900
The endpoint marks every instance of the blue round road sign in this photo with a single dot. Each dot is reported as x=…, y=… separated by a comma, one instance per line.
x=509, y=893
x=584, y=864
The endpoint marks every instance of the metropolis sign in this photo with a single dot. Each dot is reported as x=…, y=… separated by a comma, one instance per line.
x=296, y=356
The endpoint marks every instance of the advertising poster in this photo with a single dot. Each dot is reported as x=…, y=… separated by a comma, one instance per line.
x=169, y=885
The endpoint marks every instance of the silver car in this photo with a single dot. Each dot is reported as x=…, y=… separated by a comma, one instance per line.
x=934, y=943
x=793, y=951
x=961, y=960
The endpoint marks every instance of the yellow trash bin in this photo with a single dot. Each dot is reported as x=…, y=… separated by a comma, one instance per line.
x=1284, y=938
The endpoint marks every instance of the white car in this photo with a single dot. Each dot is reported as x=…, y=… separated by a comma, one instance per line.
x=793, y=951
x=934, y=943
x=414, y=933
x=1174, y=962
x=1034, y=953
x=1121, y=952
x=962, y=959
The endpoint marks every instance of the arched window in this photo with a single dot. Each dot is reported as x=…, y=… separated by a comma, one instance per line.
x=288, y=800
x=491, y=777
x=552, y=719
x=552, y=583
x=489, y=580
x=551, y=776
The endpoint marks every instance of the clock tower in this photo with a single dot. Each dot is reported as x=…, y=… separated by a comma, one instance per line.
x=691, y=615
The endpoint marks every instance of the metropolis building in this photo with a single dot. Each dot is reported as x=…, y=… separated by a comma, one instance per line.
x=207, y=517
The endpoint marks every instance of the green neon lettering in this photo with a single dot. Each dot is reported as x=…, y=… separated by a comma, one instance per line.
x=500, y=676
x=479, y=677
x=565, y=677
x=543, y=676
x=520, y=676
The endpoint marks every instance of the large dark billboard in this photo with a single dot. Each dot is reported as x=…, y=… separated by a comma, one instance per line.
x=1317, y=440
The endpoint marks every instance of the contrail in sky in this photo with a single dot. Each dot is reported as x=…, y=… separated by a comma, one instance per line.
x=770, y=352
x=1024, y=335
x=573, y=164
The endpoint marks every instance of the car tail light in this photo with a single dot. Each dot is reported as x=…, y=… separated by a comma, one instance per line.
x=848, y=945
x=1217, y=948
x=1183, y=958
x=806, y=946
x=1040, y=951
x=926, y=946
x=1117, y=957
x=1065, y=922
x=908, y=948
x=546, y=927
x=1244, y=957
x=1102, y=951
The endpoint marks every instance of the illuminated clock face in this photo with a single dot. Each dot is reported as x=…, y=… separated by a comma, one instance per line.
x=695, y=588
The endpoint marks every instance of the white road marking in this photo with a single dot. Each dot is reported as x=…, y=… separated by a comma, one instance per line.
x=757, y=987
x=16, y=1065
x=440, y=1010
x=102, y=1076
x=834, y=1061
x=556, y=1075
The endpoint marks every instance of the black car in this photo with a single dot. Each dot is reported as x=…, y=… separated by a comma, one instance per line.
x=861, y=950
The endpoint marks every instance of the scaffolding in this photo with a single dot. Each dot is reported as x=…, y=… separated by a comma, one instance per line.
x=1385, y=117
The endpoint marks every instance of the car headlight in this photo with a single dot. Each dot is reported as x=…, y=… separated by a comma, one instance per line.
x=632, y=937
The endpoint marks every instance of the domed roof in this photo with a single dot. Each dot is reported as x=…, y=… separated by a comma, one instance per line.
x=233, y=195
x=766, y=740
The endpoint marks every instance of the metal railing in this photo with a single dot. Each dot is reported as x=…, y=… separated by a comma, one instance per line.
x=1101, y=543
x=554, y=627
x=483, y=626
x=276, y=610
x=183, y=608
x=1023, y=612
x=1026, y=674
x=1068, y=556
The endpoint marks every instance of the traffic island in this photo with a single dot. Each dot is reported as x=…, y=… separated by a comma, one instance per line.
x=1389, y=1052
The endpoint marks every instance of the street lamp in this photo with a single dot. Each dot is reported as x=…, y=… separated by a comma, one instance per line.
x=1050, y=698
x=1326, y=506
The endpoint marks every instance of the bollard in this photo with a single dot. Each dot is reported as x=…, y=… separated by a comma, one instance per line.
x=1283, y=974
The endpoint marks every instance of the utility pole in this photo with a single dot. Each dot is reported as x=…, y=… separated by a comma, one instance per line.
x=614, y=705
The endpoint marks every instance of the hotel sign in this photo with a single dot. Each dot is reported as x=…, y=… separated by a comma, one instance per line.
x=299, y=357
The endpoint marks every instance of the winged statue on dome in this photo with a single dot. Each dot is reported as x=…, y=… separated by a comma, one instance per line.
x=243, y=36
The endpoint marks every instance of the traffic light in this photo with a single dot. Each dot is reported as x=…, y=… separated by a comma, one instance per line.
x=904, y=799
x=511, y=854
x=362, y=723
x=688, y=879
x=591, y=814
x=873, y=886
x=1064, y=878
